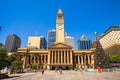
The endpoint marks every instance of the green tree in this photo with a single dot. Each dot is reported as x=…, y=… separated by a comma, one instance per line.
x=115, y=59
x=1, y=45
x=34, y=66
x=3, y=58
x=12, y=58
x=17, y=65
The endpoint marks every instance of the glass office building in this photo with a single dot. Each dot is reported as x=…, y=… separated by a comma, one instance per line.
x=43, y=44
x=69, y=40
x=51, y=37
x=84, y=43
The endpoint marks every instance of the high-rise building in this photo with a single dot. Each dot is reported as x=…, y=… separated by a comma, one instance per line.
x=110, y=40
x=12, y=43
x=69, y=40
x=51, y=37
x=37, y=42
x=84, y=43
x=43, y=44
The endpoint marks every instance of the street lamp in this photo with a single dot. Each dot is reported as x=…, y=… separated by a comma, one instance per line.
x=96, y=35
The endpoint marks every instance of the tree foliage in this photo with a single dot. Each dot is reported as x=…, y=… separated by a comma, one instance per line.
x=3, y=58
x=115, y=59
x=16, y=65
x=1, y=45
x=11, y=58
x=34, y=66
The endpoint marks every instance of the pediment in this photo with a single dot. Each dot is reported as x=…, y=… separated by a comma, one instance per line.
x=60, y=46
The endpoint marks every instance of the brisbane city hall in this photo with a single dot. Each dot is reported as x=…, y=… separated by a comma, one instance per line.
x=59, y=55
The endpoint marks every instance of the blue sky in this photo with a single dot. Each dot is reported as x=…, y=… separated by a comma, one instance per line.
x=26, y=17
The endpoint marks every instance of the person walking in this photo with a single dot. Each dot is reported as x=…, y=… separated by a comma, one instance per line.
x=60, y=70
x=81, y=70
x=55, y=69
x=42, y=70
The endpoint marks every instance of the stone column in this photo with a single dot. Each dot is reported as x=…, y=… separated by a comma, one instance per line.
x=67, y=57
x=41, y=58
x=44, y=59
x=31, y=59
x=38, y=59
x=85, y=59
x=88, y=59
x=52, y=57
x=92, y=57
x=71, y=58
x=92, y=60
x=48, y=57
x=81, y=59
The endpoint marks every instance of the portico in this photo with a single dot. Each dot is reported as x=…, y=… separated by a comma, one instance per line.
x=60, y=55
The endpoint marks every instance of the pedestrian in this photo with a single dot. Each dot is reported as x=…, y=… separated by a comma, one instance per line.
x=55, y=69
x=42, y=70
x=81, y=70
x=114, y=70
x=60, y=70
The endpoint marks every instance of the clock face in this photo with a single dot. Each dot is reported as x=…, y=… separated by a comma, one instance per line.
x=59, y=27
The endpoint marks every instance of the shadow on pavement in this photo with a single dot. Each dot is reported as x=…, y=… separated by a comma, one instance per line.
x=11, y=77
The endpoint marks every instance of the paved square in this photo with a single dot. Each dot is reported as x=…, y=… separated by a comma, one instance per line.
x=66, y=75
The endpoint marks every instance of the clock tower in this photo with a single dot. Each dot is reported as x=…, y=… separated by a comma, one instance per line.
x=60, y=27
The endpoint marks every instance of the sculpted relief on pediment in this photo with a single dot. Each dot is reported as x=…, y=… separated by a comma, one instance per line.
x=60, y=45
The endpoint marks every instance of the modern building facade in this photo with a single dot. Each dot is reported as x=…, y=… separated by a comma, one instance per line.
x=110, y=40
x=69, y=40
x=12, y=43
x=84, y=43
x=51, y=37
x=37, y=42
x=43, y=44
x=59, y=55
